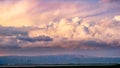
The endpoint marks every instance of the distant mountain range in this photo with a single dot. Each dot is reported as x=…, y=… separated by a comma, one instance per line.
x=56, y=59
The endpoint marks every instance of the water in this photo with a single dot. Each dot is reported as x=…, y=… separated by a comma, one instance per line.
x=57, y=60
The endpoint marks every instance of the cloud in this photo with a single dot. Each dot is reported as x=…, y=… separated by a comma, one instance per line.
x=117, y=18
x=11, y=31
x=72, y=37
x=35, y=13
x=71, y=44
x=8, y=42
x=54, y=29
x=59, y=24
x=76, y=20
x=109, y=1
x=83, y=31
x=35, y=39
x=15, y=14
x=38, y=13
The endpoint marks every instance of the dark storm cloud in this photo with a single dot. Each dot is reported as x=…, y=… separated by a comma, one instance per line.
x=12, y=31
x=84, y=45
x=40, y=38
x=9, y=37
x=93, y=43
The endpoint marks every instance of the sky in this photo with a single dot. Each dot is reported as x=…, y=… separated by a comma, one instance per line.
x=54, y=27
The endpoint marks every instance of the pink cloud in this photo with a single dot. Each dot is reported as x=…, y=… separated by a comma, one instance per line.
x=109, y=1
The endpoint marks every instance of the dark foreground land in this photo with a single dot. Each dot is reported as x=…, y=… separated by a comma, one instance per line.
x=66, y=66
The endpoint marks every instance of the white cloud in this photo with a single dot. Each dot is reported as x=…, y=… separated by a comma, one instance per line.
x=117, y=18
x=76, y=20
x=66, y=28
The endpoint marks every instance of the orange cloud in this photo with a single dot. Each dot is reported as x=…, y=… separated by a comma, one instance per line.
x=16, y=14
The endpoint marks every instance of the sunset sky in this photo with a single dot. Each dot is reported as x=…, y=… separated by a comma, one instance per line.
x=54, y=27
